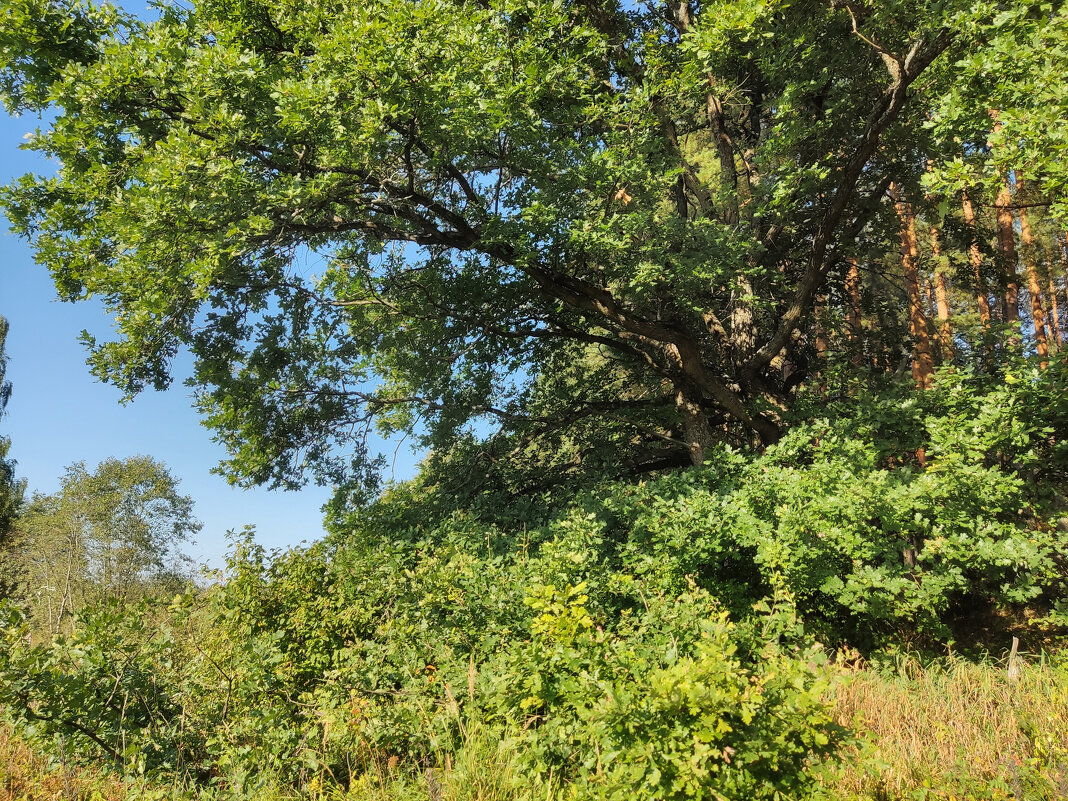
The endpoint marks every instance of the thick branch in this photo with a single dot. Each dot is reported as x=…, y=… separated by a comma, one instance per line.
x=884, y=113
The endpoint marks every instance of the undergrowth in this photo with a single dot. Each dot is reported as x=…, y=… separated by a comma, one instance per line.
x=947, y=729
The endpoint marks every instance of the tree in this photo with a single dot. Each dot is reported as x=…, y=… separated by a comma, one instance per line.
x=111, y=533
x=11, y=488
x=922, y=361
x=573, y=218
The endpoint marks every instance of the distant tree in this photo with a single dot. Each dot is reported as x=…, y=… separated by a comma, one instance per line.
x=111, y=533
x=11, y=488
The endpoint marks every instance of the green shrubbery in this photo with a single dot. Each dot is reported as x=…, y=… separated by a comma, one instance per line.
x=657, y=637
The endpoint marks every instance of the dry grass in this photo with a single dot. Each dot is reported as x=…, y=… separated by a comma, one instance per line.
x=25, y=776
x=956, y=729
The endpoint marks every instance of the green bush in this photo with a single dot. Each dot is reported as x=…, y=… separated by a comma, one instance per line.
x=619, y=639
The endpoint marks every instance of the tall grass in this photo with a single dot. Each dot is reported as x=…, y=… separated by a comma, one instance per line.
x=27, y=776
x=955, y=729
x=950, y=729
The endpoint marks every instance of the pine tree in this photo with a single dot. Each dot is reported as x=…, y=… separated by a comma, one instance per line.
x=922, y=362
x=975, y=256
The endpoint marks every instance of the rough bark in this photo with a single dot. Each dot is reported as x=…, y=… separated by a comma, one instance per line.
x=976, y=257
x=854, y=321
x=1054, y=310
x=922, y=361
x=945, y=330
x=1010, y=301
x=1038, y=315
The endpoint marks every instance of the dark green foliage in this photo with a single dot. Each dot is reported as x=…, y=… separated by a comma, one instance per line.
x=654, y=635
x=570, y=247
x=11, y=488
x=527, y=217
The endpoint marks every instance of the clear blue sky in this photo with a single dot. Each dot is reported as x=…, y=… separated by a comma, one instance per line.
x=59, y=414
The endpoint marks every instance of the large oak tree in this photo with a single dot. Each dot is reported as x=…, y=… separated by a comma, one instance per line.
x=605, y=220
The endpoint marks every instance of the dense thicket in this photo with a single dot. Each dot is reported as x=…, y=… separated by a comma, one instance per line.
x=667, y=637
x=733, y=330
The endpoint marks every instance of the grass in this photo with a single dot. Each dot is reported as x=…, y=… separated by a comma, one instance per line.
x=27, y=776
x=956, y=729
x=948, y=729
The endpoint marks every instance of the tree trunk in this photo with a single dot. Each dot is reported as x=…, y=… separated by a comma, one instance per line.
x=819, y=312
x=976, y=258
x=922, y=362
x=1062, y=252
x=945, y=331
x=695, y=427
x=854, y=321
x=1054, y=313
x=1010, y=303
x=1031, y=265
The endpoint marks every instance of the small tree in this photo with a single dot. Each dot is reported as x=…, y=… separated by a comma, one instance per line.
x=11, y=489
x=112, y=533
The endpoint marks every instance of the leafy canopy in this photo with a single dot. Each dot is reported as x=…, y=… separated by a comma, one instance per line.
x=565, y=218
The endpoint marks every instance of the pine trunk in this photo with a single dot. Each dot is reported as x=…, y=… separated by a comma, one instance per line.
x=1038, y=315
x=1010, y=302
x=854, y=320
x=1054, y=313
x=976, y=258
x=922, y=362
x=945, y=331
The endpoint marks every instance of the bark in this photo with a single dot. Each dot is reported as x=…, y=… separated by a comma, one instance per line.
x=976, y=258
x=1054, y=311
x=922, y=362
x=822, y=346
x=696, y=428
x=853, y=314
x=945, y=331
x=1062, y=249
x=1038, y=315
x=1010, y=302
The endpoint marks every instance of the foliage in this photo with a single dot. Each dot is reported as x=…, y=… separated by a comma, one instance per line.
x=606, y=230
x=113, y=533
x=670, y=706
x=570, y=246
x=11, y=489
x=654, y=634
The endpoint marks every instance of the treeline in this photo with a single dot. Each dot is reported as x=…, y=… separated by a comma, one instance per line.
x=110, y=535
x=970, y=286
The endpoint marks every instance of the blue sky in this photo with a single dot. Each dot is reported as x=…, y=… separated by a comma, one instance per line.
x=59, y=414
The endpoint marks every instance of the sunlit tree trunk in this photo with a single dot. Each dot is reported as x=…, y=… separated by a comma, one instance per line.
x=1010, y=301
x=945, y=331
x=1054, y=312
x=1062, y=256
x=922, y=362
x=1031, y=265
x=976, y=258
